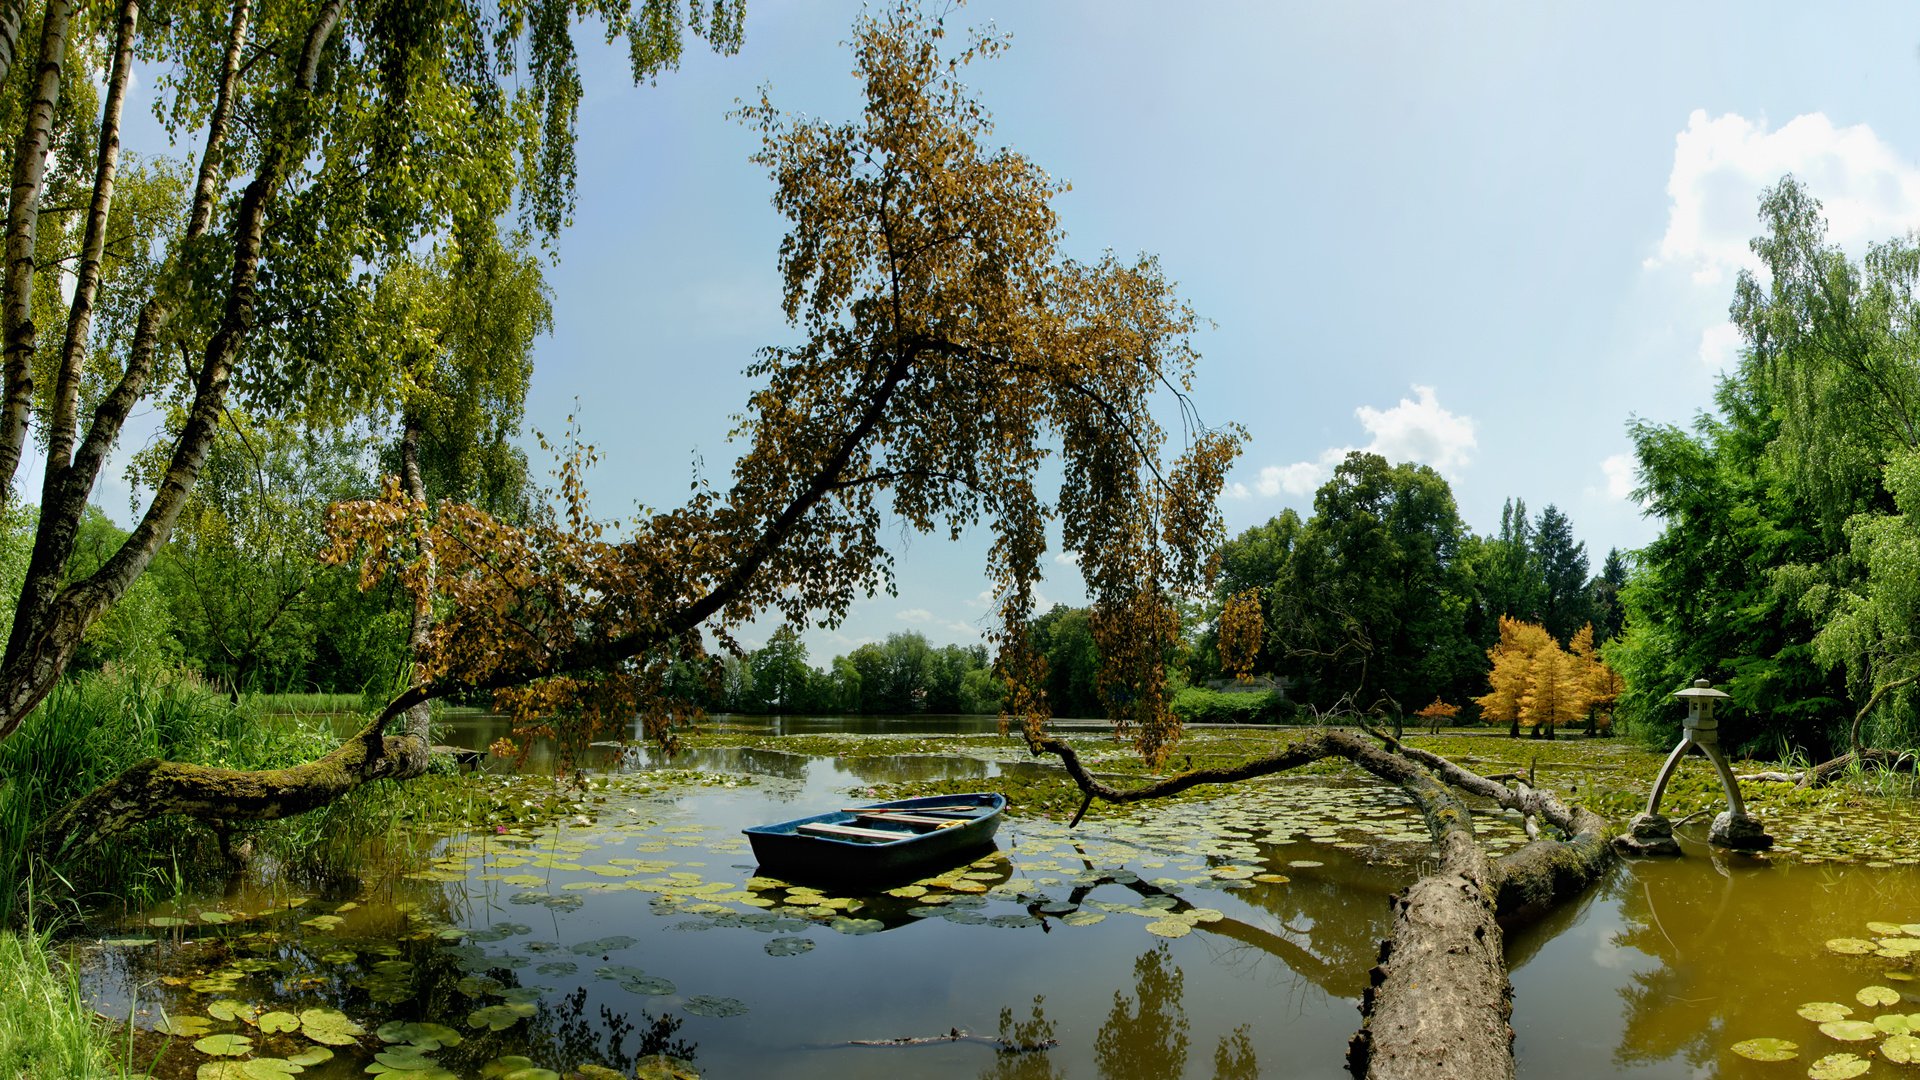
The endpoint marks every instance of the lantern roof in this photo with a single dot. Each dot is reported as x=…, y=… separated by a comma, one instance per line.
x=1701, y=688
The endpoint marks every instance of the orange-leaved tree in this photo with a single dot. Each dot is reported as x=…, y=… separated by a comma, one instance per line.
x=1512, y=659
x=950, y=356
x=1437, y=713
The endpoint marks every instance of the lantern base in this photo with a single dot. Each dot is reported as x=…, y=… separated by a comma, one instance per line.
x=1741, y=832
x=1648, y=834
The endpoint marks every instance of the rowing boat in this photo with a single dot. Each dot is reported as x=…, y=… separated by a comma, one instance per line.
x=884, y=840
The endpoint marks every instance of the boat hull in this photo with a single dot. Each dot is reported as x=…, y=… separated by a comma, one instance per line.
x=784, y=848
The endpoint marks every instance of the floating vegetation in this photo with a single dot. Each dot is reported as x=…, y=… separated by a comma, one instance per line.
x=1767, y=1049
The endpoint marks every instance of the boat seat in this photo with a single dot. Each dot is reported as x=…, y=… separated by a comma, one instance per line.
x=911, y=819
x=851, y=832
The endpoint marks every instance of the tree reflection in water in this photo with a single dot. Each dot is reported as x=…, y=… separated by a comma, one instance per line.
x=1011, y=1059
x=1145, y=1038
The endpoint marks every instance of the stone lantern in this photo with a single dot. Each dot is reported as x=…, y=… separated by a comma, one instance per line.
x=1652, y=834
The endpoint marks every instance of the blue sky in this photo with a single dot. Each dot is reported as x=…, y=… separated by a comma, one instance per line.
x=1482, y=237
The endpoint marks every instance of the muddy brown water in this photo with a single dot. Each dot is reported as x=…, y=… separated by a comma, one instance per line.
x=1226, y=939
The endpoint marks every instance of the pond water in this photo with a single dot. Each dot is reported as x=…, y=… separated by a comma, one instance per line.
x=1224, y=939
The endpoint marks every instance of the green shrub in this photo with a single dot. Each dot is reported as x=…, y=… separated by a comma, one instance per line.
x=1198, y=705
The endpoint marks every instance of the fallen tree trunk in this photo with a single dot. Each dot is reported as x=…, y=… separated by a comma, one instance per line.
x=156, y=787
x=1439, y=1002
x=1832, y=769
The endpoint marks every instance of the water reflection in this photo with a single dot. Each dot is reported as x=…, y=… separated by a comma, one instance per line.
x=1022, y=1051
x=1145, y=1036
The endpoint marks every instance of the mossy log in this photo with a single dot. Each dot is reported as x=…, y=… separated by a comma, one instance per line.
x=1439, y=1002
x=154, y=787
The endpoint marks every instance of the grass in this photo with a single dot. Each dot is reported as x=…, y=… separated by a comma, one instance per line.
x=46, y=1029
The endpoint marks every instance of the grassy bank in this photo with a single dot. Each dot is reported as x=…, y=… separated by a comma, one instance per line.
x=94, y=726
x=46, y=1030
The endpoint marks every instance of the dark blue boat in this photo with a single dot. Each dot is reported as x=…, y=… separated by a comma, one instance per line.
x=882, y=841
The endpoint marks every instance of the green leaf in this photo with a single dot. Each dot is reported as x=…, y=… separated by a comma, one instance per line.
x=1838, y=1067
x=1849, y=1030
x=1877, y=995
x=1767, y=1049
x=224, y=1045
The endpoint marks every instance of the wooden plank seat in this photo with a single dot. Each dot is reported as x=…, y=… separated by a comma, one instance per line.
x=911, y=819
x=851, y=832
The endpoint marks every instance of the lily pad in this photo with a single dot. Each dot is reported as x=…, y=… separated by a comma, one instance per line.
x=501, y=1066
x=1083, y=918
x=1901, y=1049
x=168, y=920
x=1850, y=946
x=664, y=1067
x=405, y=1058
x=330, y=1027
x=1822, y=1011
x=186, y=1027
x=708, y=1005
x=271, y=1022
x=1767, y=1049
x=789, y=946
x=1877, y=995
x=224, y=1045
x=222, y=1070
x=312, y=1055
x=270, y=1068
x=604, y=945
x=1170, y=928
x=495, y=1017
x=846, y=925
x=1849, y=1030
x=229, y=1009
x=422, y=1034
x=1838, y=1067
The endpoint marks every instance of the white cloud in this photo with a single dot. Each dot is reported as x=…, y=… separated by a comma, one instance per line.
x=1620, y=479
x=1417, y=429
x=1720, y=165
x=914, y=615
x=1720, y=345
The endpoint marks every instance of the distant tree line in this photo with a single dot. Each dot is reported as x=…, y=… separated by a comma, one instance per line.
x=1384, y=601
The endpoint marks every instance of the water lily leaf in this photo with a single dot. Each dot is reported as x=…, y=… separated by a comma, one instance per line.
x=229, y=1009
x=271, y=1022
x=1883, y=928
x=312, y=1055
x=494, y=1017
x=215, y=918
x=604, y=945
x=1838, y=1067
x=598, y=1072
x=1767, y=1049
x=1877, y=995
x=269, y=1069
x=1849, y=1030
x=1083, y=918
x=405, y=1058
x=652, y=985
x=222, y=1070
x=186, y=1027
x=329, y=1027
x=1850, y=946
x=789, y=946
x=224, y=1045
x=1902, y=1049
x=1822, y=1011
x=846, y=925
x=1305, y=864
x=167, y=920
x=501, y=1066
x=323, y=922
x=708, y=1005
x=128, y=942
x=1170, y=928
x=664, y=1067
x=1894, y=1023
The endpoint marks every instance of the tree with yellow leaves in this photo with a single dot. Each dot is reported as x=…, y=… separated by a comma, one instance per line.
x=1556, y=690
x=1603, y=684
x=1512, y=661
